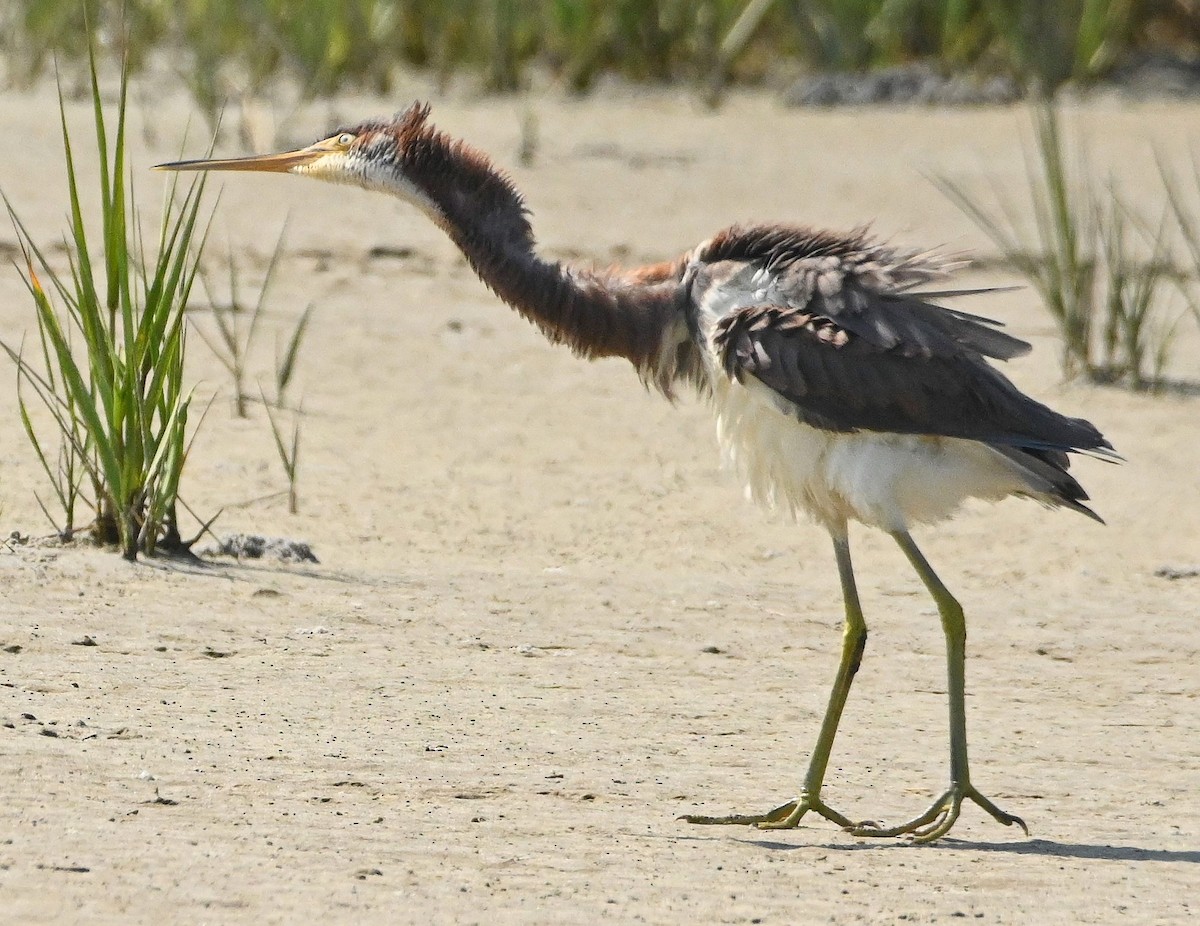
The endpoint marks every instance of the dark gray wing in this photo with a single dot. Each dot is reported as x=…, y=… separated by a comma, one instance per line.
x=875, y=306
x=853, y=359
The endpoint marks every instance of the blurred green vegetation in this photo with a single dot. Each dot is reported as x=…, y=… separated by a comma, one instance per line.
x=223, y=46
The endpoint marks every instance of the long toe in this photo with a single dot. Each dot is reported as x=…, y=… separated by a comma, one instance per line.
x=941, y=816
x=785, y=816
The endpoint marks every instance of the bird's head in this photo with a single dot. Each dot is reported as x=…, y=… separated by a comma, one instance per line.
x=397, y=156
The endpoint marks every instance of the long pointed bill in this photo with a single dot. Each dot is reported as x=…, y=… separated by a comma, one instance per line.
x=280, y=163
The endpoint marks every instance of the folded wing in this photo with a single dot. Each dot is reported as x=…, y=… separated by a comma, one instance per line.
x=844, y=357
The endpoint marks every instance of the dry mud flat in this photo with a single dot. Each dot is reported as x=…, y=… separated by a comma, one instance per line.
x=544, y=623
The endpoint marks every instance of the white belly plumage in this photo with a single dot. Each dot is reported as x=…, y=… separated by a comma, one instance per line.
x=889, y=481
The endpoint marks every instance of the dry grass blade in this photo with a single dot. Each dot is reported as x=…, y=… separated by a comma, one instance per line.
x=285, y=364
x=1136, y=341
x=234, y=340
x=289, y=452
x=1188, y=225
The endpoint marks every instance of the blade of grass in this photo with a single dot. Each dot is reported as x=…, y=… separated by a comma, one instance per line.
x=285, y=367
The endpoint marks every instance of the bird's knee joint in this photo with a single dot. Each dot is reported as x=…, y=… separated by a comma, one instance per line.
x=954, y=619
x=858, y=638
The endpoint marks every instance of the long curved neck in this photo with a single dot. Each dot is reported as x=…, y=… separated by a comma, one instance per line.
x=636, y=315
x=594, y=313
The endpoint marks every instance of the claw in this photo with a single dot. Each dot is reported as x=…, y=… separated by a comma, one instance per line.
x=941, y=816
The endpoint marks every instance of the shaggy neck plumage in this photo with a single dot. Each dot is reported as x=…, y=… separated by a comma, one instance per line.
x=596, y=314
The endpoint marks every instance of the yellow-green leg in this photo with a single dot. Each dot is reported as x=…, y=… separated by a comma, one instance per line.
x=854, y=640
x=942, y=814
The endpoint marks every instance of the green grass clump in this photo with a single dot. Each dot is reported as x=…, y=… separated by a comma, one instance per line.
x=1099, y=268
x=112, y=340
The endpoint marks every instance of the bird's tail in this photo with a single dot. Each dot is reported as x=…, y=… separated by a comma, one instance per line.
x=1045, y=472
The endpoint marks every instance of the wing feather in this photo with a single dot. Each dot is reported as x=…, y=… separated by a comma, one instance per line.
x=898, y=378
x=836, y=326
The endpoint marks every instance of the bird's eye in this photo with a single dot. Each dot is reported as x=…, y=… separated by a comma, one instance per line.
x=345, y=139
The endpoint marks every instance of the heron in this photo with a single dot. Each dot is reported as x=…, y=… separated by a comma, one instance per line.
x=843, y=388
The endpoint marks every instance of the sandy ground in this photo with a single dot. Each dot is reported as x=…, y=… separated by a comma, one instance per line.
x=545, y=623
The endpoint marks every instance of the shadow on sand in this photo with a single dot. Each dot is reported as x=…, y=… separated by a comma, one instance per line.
x=1046, y=847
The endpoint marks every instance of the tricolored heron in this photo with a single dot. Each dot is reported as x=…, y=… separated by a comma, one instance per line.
x=842, y=389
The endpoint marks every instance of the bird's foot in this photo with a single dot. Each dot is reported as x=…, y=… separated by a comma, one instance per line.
x=786, y=816
x=940, y=817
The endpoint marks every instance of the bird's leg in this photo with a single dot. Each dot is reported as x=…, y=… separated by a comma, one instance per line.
x=942, y=814
x=854, y=641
